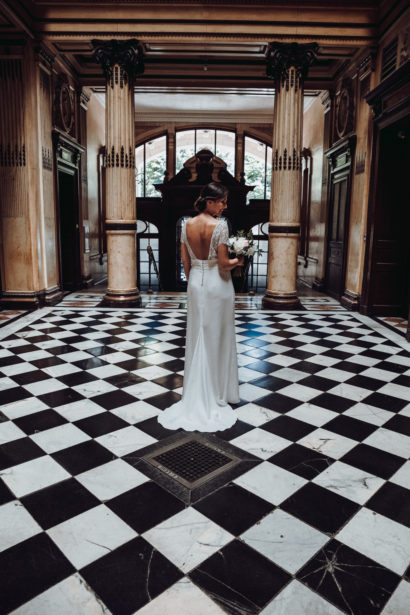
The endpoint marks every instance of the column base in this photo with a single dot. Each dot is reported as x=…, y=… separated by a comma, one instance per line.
x=319, y=284
x=350, y=300
x=117, y=298
x=53, y=295
x=285, y=301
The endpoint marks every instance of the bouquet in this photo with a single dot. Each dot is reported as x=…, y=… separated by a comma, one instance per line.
x=242, y=244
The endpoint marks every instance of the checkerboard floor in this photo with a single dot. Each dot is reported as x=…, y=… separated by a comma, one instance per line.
x=319, y=526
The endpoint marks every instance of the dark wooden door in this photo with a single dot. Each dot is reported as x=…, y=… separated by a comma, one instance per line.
x=340, y=157
x=336, y=237
x=70, y=266
x=389, y=274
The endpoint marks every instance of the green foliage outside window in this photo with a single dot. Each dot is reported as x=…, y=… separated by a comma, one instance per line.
x=154, y=174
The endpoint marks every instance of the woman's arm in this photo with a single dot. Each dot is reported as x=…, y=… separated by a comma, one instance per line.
x=186, y=260
x=224, y=262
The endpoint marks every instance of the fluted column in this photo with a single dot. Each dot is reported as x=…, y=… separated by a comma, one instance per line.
x=287, y=64
x=121, y=62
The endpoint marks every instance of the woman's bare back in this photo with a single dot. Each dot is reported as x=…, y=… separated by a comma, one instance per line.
x=199, y=232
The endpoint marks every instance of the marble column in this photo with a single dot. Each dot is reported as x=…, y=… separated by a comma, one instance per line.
x=287, y=65
x=121, y=62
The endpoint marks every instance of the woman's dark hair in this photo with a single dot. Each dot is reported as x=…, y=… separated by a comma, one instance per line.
x=210, y=192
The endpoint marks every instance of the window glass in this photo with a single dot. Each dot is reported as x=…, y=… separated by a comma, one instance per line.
x=225, y=148
x=184, y=147
x=258, y=271
x=139, y=169
x=155, y=164
x=145, y=270
x=150, y=163
x=205, y=139
x=254, y=167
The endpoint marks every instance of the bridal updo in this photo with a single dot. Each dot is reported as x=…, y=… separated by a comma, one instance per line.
x=210, y=192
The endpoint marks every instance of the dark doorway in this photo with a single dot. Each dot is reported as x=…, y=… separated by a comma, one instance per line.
x=388, y=275
x=340, y=157
x=70, y=267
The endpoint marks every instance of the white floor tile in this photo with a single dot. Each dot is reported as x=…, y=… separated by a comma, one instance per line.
x=80, y=409
x=349, y=482
x=378, y=537
x=402, y=476
x=370, y=414
x=260, y=443
x=136, y=412
x=33, y=475
x=315, y=415
x=93, y=388
x=90, y=535
x=126, y=440
x=9, y=432
x=255, y=415
x=72, y=596
x=179, y=599
x=250, y=392
x=389, y=441
x=328, y=443
x=17, y=525
x=270, y=482
x=45, y=386
x=60, y=437
x=188, y=538
x=297, y=599
x=111, y=479
x=285, y=540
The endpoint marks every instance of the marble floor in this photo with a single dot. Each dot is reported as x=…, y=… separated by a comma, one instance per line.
x=319, y=524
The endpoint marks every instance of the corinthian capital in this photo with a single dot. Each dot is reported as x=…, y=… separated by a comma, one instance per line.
x=127, y=55
x=283, y=56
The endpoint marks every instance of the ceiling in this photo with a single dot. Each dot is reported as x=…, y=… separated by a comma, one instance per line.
x=219, y=44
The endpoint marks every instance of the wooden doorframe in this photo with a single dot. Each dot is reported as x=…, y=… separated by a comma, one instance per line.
x=340, y=156
x=390, y=102
x=67, y=157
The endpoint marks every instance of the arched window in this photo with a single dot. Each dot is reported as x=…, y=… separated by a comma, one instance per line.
x=258, y=271
x=151, y=163
x=258, y=168
x=147, y=237
x=220, y=142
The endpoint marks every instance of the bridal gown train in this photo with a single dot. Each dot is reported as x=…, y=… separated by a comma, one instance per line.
x=211, y=368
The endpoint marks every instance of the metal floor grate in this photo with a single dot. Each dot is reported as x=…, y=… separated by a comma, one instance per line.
x=191, y=461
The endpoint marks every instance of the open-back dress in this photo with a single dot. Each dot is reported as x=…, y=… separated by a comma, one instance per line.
x=211, y=368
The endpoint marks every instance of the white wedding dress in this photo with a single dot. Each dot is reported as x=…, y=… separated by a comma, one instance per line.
x=211, y=368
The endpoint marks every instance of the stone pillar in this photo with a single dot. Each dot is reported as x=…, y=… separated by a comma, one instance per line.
x=121, y=62
x=28, y=242
x=287, y=65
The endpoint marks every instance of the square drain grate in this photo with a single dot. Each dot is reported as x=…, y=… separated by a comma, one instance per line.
x=191, y=461
x=192, y=465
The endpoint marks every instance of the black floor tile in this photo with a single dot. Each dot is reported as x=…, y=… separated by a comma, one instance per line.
x=279, y=403
x=239, y=428
x=350, y=427
x=399, y=423
x=82, y=457
x=163, y=400
x=373, y=460
x=270, y=382
x=302, y=461
x=263, y=367
x=351, y=581
x=130, y=576
x=72, y=380
x=392, y=501
x=29, y=568
x=325, y=510
x=317, y=382
x=154, y=429
x=332, y=402
x=248, y=508
x=239, y=579
x=60, y=398
x=18, y=451
x=10, y=396
x=39, y=421
x=59, y=502
x=172, y=381
x=387, y=402
x=114, y=399
x=100, y=424
x=145, y=506
x=36, y=375
x=288, y=427
x=5, y=493
x=364, y=382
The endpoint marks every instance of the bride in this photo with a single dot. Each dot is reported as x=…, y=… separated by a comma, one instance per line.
x=211, y=369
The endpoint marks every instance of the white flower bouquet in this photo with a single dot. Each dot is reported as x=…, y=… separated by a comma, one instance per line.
x=242, y=244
